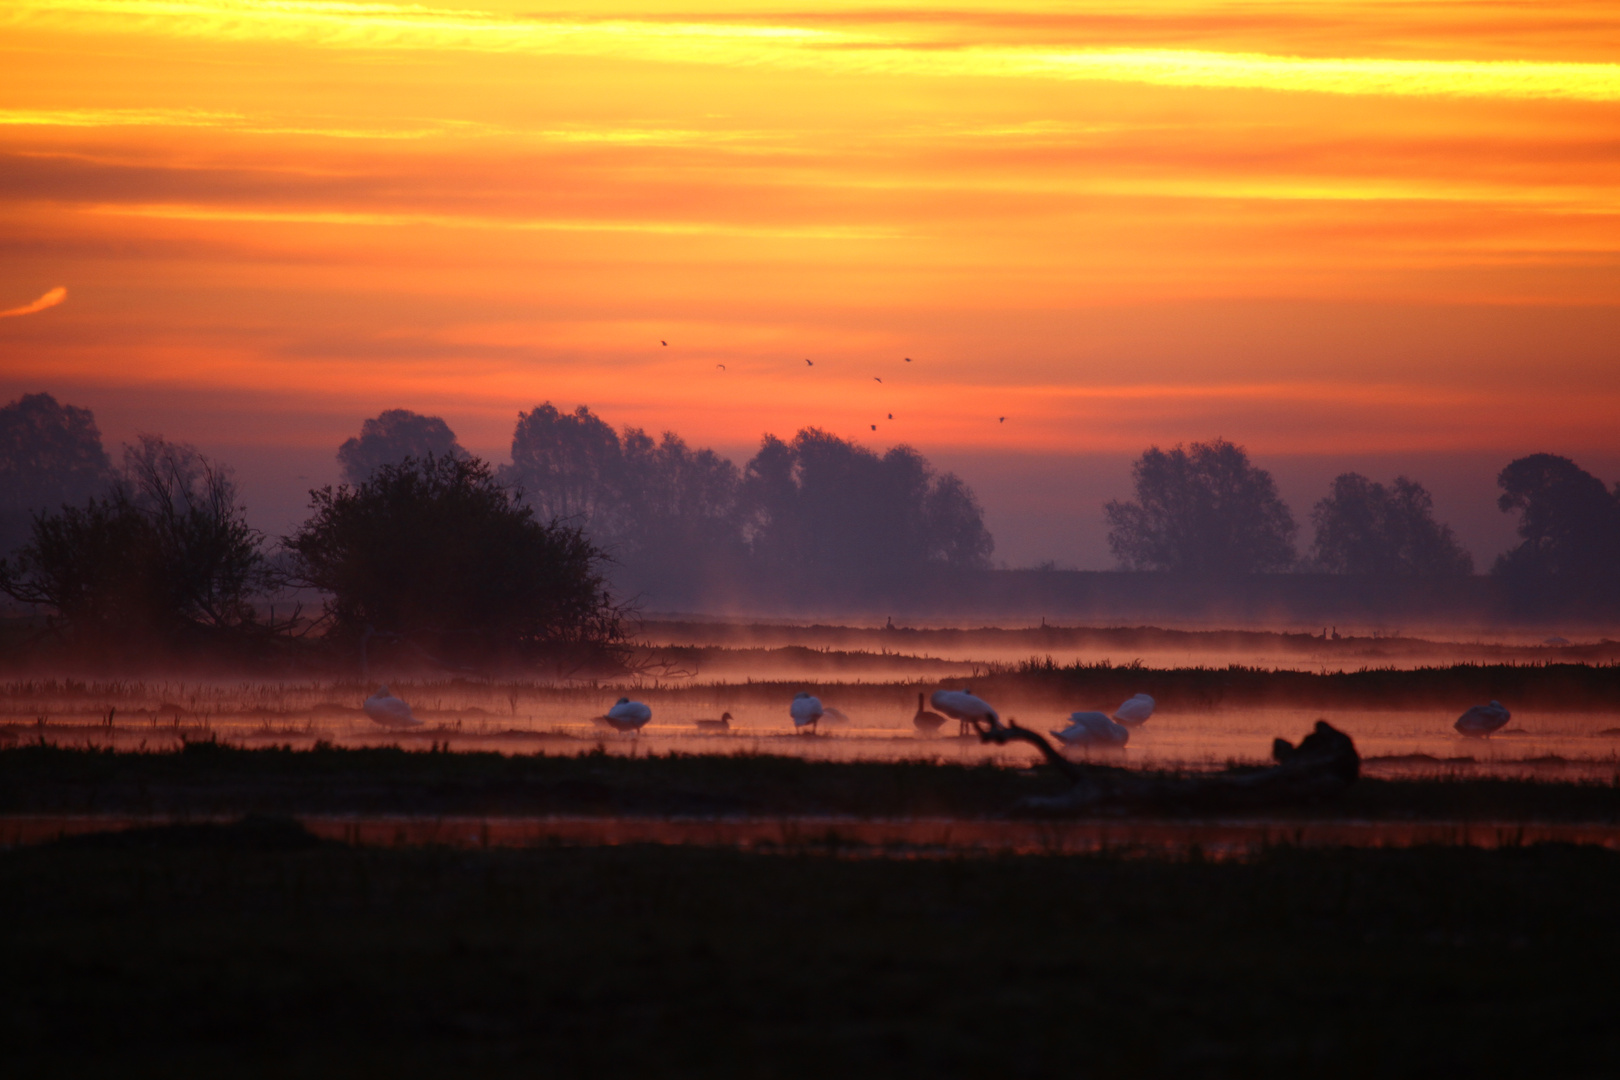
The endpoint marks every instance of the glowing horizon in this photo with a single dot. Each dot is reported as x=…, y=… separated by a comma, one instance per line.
x=1308, y=227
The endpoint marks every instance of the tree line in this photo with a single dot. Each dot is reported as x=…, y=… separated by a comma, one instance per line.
x=423, y=542
x=1205, y=509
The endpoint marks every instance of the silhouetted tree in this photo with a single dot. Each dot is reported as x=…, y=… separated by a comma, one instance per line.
x=1570, y=524
x=1203, y=510
x=50, y=456
x=1363, y=527
x=665, y=512
x=395, y=434
x=570, y=467
x=438, y=551
x=164, y=554
x=678, y=518
x=835, y=515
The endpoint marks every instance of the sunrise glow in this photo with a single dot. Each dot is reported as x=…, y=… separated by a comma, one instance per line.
x=1275, y=221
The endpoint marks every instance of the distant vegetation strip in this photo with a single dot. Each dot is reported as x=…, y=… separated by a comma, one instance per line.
x=208, y=778
x=1587, y=687
x=1036, y=682
x=1122, y=641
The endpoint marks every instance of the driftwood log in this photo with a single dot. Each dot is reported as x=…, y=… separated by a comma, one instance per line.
x=1323, y=764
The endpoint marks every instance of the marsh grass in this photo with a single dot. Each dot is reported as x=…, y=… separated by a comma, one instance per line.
x=208, y=777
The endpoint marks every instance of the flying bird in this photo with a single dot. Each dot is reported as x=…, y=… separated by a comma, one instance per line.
x=805, y=710
x=891, y=416
x=876, y=379
x=389, y=711
x=1481, y=720
x=663, y=343
x=1003, y=420
x=927, y=722
x=908, y=359
x=50, y=299
x=722, y=367
x=966, y=709
x=807, y=361
x=1135, y=710
x=874, y=427
x=626, y=716
x=1093, y=729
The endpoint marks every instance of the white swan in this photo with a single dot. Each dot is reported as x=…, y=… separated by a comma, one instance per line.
x=1093, y=729
x=963, y=707
x=1135, y=710
x=627, y=716
x=1481, y=720
x=805, y=710
x=389, y=711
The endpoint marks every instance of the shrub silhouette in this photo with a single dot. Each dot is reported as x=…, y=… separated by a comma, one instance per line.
x=436, y=551
x=164, y=556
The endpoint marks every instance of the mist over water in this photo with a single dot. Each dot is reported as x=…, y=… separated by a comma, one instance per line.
x=751, y=672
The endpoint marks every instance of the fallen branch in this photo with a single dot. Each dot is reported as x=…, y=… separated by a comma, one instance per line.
x=1323, y=764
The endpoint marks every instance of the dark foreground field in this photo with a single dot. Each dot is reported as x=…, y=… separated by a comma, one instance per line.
x=217, y=954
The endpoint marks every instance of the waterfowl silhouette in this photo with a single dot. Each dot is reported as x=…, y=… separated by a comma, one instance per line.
x=1135, y=710
x=626, y=716
x=1093, y=729
x=1481, y=720
x=963, y=707
x=805, y=710
x=389, y=711
x=927, y=722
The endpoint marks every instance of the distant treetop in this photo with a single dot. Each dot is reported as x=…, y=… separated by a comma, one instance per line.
x=1202, y=510
x=1363, y=527
x=1568, y=521
x=50, y=455
x=390, y=438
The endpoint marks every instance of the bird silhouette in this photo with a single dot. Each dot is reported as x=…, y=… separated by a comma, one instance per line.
x=927, y=722
x=1093, y=729
x=663, y=343
x=626, y=716
x=807, y=361
x=722, y=724
x=1135, y=710
x=389, y=711
x=1003, y=420
x=876, y=379
x=722, y=367
x=874, y=427
x=891, y=416
x=805, y=710
x=1481, y=720
x=908, y=359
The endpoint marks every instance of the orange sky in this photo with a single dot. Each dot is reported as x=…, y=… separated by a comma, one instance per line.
x=1314, y=228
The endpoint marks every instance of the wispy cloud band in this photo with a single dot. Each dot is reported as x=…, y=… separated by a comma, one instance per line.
x=865, y=49
x=49, y=300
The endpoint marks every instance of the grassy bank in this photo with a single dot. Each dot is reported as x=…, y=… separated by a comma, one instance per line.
x=215, y=779
x=271, y=958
